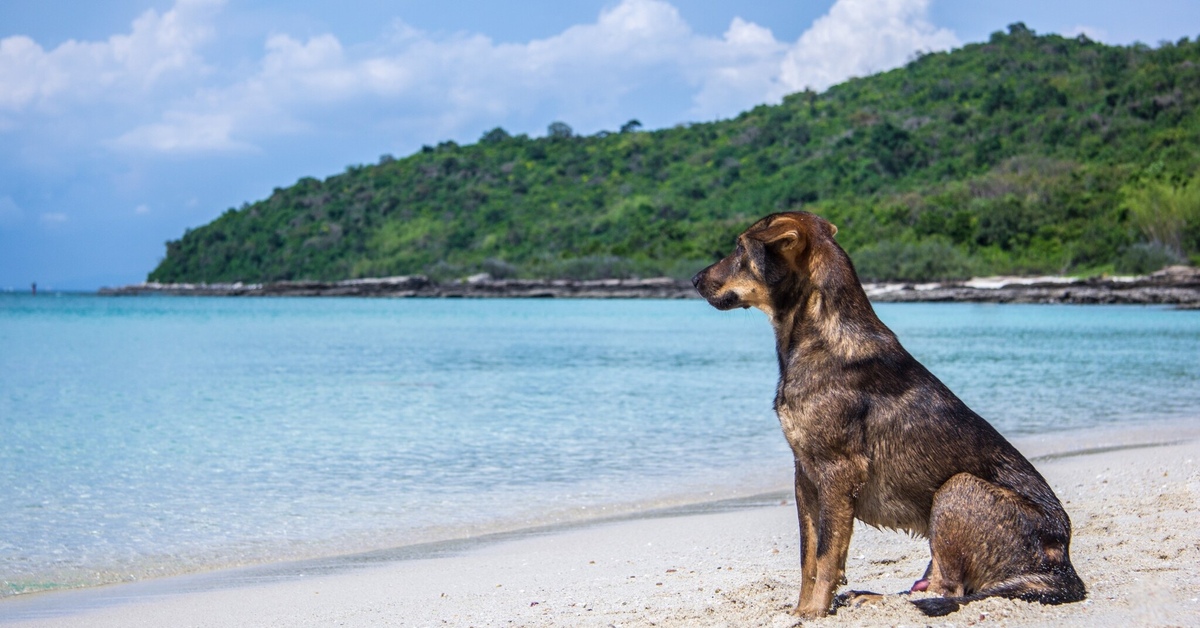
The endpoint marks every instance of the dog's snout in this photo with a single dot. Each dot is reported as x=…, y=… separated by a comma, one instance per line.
x=697, y=278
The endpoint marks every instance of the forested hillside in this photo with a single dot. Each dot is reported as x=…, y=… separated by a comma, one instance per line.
x=1024, y=154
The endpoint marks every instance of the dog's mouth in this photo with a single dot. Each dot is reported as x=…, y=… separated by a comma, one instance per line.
x=728, y=300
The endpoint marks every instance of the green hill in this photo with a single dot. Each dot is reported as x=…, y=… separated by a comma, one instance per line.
x=1024, y=154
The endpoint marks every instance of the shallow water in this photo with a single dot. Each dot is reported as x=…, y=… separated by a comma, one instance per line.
x=141, y=436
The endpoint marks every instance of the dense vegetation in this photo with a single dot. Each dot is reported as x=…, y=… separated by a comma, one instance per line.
x=1025, y=154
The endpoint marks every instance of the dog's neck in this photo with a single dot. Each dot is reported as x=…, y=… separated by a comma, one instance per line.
x=826, y=315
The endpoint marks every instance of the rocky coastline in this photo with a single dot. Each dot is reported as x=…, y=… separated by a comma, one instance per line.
x=1176, y=285
x=479, y=286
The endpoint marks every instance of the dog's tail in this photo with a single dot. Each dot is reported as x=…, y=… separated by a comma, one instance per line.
x=1059, y=587
x=939, y=606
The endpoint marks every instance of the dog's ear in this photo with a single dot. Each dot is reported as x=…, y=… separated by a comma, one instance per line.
x=784, y=235
x=832, y=229
x=785, y=240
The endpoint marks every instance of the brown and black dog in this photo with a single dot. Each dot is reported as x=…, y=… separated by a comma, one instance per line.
x=877, y=437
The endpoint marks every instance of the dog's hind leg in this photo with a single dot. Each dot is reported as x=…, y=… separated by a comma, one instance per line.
x=979, y=534
x=987, y=540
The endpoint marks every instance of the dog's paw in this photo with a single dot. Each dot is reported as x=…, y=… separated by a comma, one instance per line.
x=854, y=599
x=808, y=612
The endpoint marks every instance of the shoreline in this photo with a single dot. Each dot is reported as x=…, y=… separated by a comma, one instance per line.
x=487, y=579
x=75, y=600
x=1175, y=285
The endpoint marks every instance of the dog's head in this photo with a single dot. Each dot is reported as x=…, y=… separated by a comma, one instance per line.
x=771, y=258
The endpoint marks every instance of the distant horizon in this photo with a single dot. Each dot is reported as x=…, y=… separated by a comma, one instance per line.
x=127, y=123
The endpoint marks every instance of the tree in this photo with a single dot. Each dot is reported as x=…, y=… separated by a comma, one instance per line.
x=494, y=136
x=559, y=130
x=631, y=126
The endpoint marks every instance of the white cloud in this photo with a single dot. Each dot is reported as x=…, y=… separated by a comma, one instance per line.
x=737, y=72
x=158, y=48
x=184, y=132
x=426, y=85
x=859, y=37
x=142, y=209
x=434, y=83
x=53, y=219
x=442, y=84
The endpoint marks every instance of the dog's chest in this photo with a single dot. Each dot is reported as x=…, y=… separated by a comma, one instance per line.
x=823, y=432
x=796, y=426
x=819, y=435
x=813, y=419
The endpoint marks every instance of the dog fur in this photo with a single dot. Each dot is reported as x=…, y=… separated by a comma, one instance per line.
x=876, y=436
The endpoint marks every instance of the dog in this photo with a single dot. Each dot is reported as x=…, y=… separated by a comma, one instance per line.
x=877, y=437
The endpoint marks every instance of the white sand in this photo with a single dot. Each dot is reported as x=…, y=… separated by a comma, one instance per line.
x=1136, y=513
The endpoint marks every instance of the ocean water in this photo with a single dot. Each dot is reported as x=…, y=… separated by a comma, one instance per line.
x=158, y=435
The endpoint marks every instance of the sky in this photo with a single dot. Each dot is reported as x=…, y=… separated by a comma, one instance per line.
x=125, y=122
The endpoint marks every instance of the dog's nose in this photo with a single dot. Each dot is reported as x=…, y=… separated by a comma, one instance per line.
x=696, y=280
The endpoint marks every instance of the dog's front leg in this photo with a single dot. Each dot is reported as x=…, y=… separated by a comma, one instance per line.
x=807, y=514
x=834, y=525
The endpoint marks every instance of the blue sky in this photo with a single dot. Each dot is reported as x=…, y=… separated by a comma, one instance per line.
x=124, y=122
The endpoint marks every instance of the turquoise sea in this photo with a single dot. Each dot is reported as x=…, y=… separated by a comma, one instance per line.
x=157, y=435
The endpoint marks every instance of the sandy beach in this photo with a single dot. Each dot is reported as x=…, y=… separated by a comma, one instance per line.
x=1133, y=496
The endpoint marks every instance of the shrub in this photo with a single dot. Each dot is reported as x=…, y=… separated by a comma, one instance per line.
x=930, y=259
x=1144, y=258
